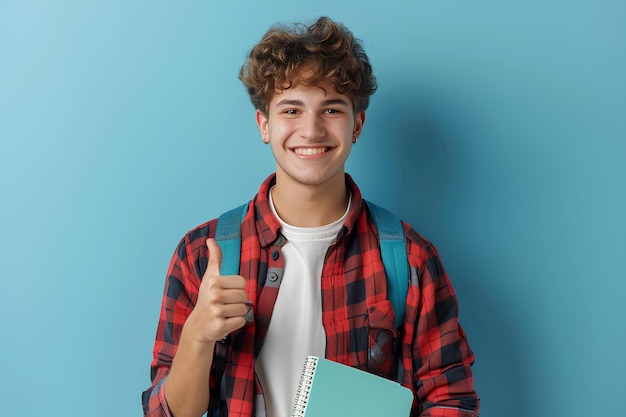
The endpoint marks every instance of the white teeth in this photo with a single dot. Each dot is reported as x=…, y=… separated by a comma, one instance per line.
x=310, y=151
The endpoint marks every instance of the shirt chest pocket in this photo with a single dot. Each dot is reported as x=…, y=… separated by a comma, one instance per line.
x=372, y=339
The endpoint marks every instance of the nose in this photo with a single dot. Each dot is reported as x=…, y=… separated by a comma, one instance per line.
x=312, y=126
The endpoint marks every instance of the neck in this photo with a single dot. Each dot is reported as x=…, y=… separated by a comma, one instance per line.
x=310, y=206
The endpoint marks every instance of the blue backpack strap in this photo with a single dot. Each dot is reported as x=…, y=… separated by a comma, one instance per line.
x=393, y=252
x=228, y=236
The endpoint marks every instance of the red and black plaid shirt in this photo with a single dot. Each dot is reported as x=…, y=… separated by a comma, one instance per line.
x=357, y=317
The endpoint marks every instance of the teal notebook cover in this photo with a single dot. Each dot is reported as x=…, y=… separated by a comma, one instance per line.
x=328, y=388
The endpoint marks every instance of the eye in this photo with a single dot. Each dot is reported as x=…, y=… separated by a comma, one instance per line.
x=291, y=111
x=332, y=111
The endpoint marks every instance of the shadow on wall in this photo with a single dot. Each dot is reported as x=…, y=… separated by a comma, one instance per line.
x=430, y=141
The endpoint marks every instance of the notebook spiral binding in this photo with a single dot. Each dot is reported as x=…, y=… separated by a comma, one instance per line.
x=304, y=387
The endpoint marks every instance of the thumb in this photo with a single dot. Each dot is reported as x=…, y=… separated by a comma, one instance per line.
x=215, y=257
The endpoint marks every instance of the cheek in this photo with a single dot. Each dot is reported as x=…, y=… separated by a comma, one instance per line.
x=348, y=133
x=278, y=131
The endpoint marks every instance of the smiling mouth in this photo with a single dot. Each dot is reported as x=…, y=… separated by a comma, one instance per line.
x=310, y=151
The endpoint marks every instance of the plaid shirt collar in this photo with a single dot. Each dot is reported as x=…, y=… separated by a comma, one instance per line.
x=268, y=226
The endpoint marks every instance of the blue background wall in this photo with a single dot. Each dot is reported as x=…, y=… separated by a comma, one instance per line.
x=498, y=131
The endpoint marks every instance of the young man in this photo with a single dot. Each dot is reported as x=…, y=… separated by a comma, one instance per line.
x=311, y=276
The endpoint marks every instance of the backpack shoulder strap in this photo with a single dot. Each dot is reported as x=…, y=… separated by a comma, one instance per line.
x=228, y=236
x=393, y=252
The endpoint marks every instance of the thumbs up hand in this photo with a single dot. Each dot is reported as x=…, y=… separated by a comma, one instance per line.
x=222, y=302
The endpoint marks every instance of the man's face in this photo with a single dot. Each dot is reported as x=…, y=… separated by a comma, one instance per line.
x=311, y=130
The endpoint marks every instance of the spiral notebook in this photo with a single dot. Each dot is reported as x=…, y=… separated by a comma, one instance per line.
x=329, y=388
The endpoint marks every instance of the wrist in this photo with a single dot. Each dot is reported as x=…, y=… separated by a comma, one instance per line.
x=195, y=340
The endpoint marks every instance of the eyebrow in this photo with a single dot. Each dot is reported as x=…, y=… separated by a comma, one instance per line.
x=334, y=101
x=329, y=102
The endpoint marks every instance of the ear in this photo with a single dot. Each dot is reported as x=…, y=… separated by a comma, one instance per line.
x=263, y=124
x=359, y=121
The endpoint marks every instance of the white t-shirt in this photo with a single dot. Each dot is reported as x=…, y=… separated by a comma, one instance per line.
x=295, y=330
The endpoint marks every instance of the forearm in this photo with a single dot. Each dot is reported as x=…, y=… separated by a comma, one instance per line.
x=440, y=354
x=445, y=380
x=187, y=385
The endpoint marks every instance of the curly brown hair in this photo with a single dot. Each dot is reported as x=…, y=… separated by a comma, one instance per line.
x=323, y=51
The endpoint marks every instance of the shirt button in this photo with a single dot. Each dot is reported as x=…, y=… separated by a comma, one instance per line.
x=275, y=255
x=273, y=276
